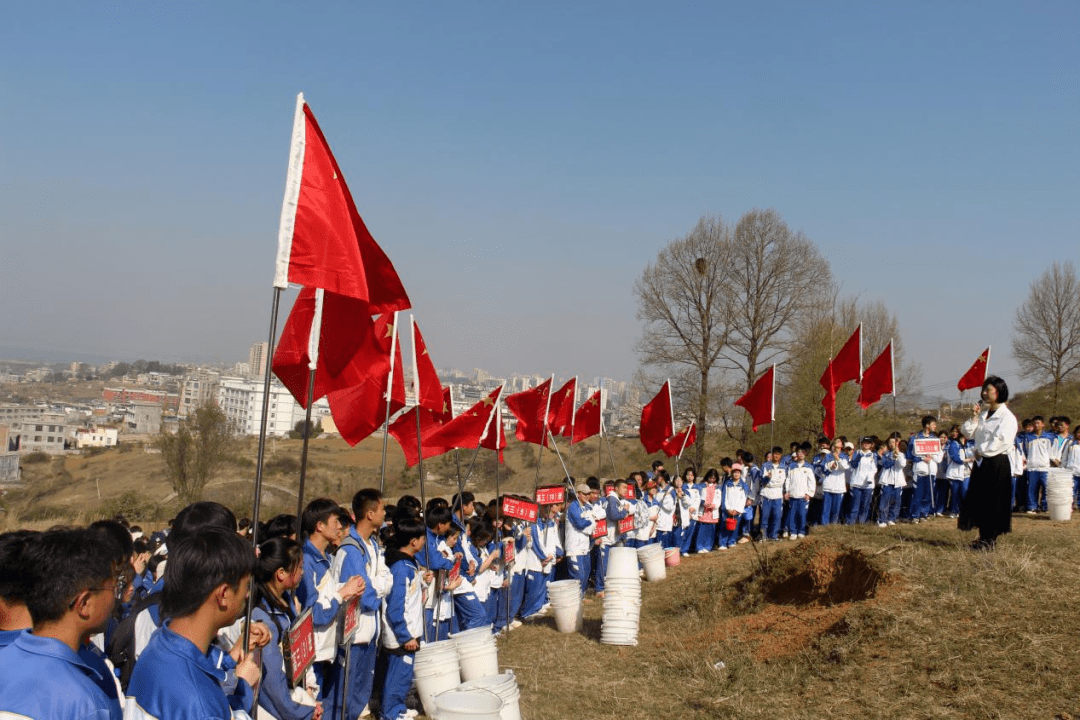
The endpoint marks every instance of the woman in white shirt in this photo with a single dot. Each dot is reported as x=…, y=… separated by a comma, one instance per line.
x=988, y=503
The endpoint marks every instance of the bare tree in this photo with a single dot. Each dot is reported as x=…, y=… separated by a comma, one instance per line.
x=1046, y=330
x=198, y=449
x=777, y=279
x=681, y=299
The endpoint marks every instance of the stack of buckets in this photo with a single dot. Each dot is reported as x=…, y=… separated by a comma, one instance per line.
x=652, y=559
x=565, y=599
x=477, y=653
x=1059, y=493
x=505, y=686
x=622, y=597
x=473, y=704
x=436, y=671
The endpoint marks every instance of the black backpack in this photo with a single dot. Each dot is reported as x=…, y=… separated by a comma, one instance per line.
x=121, y=650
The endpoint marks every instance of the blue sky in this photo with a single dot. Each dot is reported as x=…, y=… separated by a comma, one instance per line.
x=522, y=162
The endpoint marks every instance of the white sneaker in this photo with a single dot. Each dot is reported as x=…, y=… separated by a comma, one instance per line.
x=516, y=624
x=366, y=712
x=411, y=713
x=723, y=547
x=800, y=535
x=892, y=522
x=881, y=524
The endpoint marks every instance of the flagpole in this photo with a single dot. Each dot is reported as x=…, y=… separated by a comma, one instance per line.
x=389, y=399
x=314, y=336
x=261, y=453
x=566, y=471
x=610, y=457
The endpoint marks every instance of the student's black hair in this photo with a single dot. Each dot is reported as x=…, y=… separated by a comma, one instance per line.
x=199, y=564
x=385, y=533
x=279, y=553
x=748, y=457
x=481, y=531
x=713, y=474
x=140, y=546
x=822, y=440
x=437, y=515
x=391, y=513
x=118, y=535
x=806, y=447
x=794, y=445
x=13, y=577
x=119, y=517
x=345, y=517
x=656, y=464
x=612, y=483
x=688, y=470
x=927, y=419
x=1000, y=386
x=593, y=482
x=411, y=502
x=59, y=565
x=726, y=462
x=282, y=525
x=406, y=529
x=777, y=450
x=435, y=502
x=1036, y=418
x=462, y=498
x=153, y=562
x=1065, y=419
x=197, y=516
x=364, y=501
x=317, y=511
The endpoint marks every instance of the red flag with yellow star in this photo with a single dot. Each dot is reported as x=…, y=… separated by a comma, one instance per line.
x=976, y=374
x=470, y=427
x=531, y=407
x=403, y=429
x=363, y=407
x=428, y=389
x=587, y=419
x=322, y=240
x=561, y=412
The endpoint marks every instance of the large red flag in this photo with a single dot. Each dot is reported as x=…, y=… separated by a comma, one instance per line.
x=403, y=429
x=675, y=445
x=847, y=365
x=530, y=407
x=587, y=419
x=494, y=438
x=829, y=424
x=362, y=408
x=976, y=374
x=657, y=420
x=878, y=378
x=322, y=240
x=760, y=399
x=470, y=427
x=350, y=346
x=561, y=412
x=429, y=391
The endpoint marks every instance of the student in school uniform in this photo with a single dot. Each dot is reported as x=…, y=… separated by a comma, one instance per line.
x=799, y=490
x=1037, y=447
x=834, y=467
x=579, y=524
x=924, y=471
x=14, y=616
x=752, y=480
x=709, y=515
x=206, y=586
x=403, y=614
x=773, y=479
x=957, y=471
x=735, y=499
x=864, y=469
x=667, y=504
x=891, y=481
x=688, y=502
x=1070, y=458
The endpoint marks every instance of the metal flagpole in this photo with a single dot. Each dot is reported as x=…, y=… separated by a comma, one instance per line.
x=610, y=457
x=313, y=361
x=389, y=398
x=261, y=453
x=558, y=454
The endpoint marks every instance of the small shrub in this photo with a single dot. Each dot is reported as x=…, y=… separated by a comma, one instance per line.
x=35, y=458
x=131, y=505
x=282, y=464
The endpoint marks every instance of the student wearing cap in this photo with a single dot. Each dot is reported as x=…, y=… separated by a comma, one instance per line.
x=580, y=522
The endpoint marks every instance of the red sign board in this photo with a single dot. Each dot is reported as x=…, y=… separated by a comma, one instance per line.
x=626, y=524
x=454, y=574
x=508, y=550
x=927, y=446
x=300, y=653
x=609, y=491
x=550, y=494
x=600, y=528
x=520, y=509
x=630, y=492
x=350, y=620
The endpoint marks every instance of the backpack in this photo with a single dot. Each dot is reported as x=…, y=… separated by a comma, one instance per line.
x=121, y=650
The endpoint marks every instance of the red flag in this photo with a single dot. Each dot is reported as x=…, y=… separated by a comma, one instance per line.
x=561, y=412
x=657, y=420
x=976, y=374
x=322, y=240
x=469, y=428
x=429, y=391
x=829, y=424
x=847, y=365
x=531, y=407
x=675, y=445
x=350, y=345
x=878, y=378
x=403, y=429
x=494, y=438
x=587, y=419
x=361, y=409
x=760, y=399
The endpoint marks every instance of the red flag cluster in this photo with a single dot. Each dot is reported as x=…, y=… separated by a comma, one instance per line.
x=542, y=414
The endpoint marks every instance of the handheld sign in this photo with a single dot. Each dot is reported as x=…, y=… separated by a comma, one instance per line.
x=550, y=494
x=299, y=649
x=350, y=621
x=626, y=524
x=508, y=551
x=630, y=492
x=609, y=491
x=454, y=574
x=927, y=446
x=600, y=528
x=520, y=509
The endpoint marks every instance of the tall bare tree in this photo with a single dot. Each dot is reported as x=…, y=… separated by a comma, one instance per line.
x=777, y=279
x=681, y=299
x=197, y=451
x=1046, y=330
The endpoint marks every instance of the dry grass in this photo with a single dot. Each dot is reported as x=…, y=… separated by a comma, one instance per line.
x=948, y=633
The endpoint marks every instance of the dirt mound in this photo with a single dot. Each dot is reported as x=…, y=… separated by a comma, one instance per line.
x=814, y=572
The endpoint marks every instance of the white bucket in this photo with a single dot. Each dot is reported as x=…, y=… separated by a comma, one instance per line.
x=566, y=617
x=435, y=676
x=470, y=638
x=480, y=662
x=1060, y=512
x=622, y=563
x=475, y=704
x=505, y=686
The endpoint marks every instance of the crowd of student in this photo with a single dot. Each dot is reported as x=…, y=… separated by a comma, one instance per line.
x=104, y=622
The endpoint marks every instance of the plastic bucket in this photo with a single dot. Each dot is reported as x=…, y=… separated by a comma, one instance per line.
x=1060, y=512
x=622, y=563
x=477, y=704
x=732, y=522
x=566, y=617
x=478, y=663
x=435, y=677
x=672, y=556
x=505, y=686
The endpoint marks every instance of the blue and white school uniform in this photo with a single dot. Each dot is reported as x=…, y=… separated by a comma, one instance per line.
x=773, y=478
x=438, y=557
x=536, y=577
x=834, y=470
x=579, y=523
x=1037, y=453
x=892, y=482
x=864, y=468
x=734, y=497
x=1070, y=459
x=752, y=480
x=957, y=473
x=924, y=473
x=800, y=486
x=688, y=504
x=275, y=697
x=402, y=621
x=666, y=503
x=468, y=610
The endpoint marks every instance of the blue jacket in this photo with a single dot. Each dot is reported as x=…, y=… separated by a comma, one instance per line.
x=274, y=694
x=401, y=615
x=316, y=565
x=43, y=678
x=355, y=563
x=173, y=680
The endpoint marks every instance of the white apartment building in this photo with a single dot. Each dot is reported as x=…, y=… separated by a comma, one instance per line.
x=241, y=399
x=96, y=437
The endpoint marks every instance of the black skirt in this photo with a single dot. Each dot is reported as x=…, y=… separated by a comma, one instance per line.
x=988, y=503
